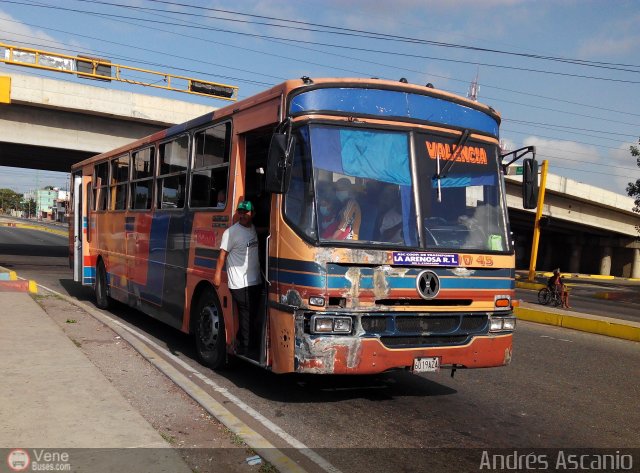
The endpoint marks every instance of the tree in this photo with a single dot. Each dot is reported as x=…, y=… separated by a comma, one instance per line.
x=29, y=207
x=9, y=199
x=633, y=189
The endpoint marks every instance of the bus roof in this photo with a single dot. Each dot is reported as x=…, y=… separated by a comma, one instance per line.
x=283, y=89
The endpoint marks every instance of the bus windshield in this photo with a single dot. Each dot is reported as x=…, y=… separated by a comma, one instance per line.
x=353, y=184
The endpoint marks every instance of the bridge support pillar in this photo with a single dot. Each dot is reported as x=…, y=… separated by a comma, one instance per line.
x=605, y=261
x=576, y=254
x=635, y=265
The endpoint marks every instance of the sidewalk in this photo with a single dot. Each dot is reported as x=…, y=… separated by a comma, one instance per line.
x=53, y=397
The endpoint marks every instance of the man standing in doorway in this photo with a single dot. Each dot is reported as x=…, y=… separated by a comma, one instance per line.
x=239, y=249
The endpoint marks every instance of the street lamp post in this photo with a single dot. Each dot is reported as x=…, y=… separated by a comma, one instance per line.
x=536, y=224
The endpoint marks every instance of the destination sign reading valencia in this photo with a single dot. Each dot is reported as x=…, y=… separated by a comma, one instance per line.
x=425, y=259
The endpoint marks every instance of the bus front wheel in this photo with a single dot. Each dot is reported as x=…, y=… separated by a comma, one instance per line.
x=209, y=331
x=101, y=289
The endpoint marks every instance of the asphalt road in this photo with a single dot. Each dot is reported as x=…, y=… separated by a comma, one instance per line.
x=564, y=389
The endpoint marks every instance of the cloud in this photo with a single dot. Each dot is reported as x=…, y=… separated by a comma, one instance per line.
x=615, y=38
x=507, y=145
x=266, y=8
x=608, y=46
x=14, y=31
x=609, y=170
x=23, y=180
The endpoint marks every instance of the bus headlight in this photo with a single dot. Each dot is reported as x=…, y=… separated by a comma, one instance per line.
x=502, y=324
x=330, y=324
x=317, y=301
x=509, y=323
x=342, y=324
x=322, y=325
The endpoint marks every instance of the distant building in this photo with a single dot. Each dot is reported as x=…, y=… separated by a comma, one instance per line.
x=51, y=203
x=59, y=210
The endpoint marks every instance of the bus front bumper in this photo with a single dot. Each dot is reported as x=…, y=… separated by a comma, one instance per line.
x=357, y=355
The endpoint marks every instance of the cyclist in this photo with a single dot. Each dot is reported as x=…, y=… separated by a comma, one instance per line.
x=556, y=284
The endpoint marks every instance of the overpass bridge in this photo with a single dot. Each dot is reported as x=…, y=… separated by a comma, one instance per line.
x=584, y=229
x=51, y=124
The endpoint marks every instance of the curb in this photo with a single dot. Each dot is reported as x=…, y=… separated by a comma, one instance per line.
x=7, y=275
x=599, y=326
x=9, y=282
x=530, y=285
x=547, y=274
x=28, y=226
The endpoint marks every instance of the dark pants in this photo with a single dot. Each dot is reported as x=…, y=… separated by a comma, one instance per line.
x=247, y=300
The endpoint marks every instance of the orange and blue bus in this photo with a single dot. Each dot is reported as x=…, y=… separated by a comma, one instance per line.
x=422, y=279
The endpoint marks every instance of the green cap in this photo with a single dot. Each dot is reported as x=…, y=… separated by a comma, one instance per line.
x=245, y=205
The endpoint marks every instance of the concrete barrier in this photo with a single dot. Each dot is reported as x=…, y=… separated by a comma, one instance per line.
x=624, y=329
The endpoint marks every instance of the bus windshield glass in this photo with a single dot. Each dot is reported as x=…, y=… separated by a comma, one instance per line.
x=353, y=184
x=465, y=207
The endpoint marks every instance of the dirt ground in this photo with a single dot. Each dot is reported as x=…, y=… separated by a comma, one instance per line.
x=204, y=443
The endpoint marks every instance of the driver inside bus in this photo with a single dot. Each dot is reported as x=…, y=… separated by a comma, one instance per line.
x=349, y=216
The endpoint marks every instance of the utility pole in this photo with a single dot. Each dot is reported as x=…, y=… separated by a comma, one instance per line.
x=37, y=194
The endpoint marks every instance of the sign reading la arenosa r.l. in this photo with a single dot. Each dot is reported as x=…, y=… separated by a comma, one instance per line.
x=423, y=259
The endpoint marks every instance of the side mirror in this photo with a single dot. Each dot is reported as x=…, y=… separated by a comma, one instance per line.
x=278, y=172
x=529, y=183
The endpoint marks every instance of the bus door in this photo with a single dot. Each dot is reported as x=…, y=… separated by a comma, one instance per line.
x=256, y=147
x=79, y=215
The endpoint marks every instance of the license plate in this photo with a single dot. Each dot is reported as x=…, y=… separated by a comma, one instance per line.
x=429, y=364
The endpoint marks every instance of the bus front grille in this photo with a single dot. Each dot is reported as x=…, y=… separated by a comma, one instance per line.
x=426, y=324
x=410, y=330
x=422, y=341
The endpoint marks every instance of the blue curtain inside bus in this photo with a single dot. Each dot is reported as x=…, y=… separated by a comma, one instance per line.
x=375, y=155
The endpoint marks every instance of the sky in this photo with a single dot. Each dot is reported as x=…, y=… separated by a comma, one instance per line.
x=564, y=74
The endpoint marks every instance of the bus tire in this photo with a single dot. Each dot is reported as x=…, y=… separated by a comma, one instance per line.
x=101, y=288
x=209, y=331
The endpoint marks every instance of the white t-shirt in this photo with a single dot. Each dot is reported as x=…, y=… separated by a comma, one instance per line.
x=243, y=262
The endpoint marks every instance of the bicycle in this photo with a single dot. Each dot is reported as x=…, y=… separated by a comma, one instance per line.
x=547, y=296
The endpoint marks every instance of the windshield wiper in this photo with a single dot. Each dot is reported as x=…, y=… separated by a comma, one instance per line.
x=447, y=167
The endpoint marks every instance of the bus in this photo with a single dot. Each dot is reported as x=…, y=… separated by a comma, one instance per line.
x=422, y=279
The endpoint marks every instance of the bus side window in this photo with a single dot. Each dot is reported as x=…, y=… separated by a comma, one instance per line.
x=142, y=167
x=101, y=186
x=119, y=182
x=171, y=188
x=209, y=180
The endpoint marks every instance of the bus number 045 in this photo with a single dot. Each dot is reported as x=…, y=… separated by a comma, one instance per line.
x=479, y=260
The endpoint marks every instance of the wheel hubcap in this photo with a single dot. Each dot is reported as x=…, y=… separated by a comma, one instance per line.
x=209, y=326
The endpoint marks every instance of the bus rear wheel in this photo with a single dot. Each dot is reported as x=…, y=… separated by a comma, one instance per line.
x=100, y=288
x=209, y=331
